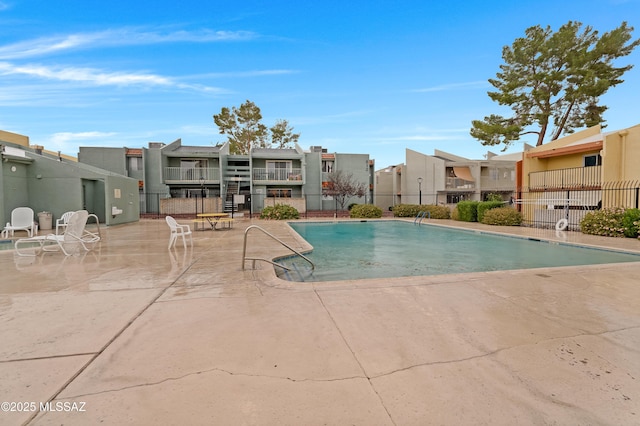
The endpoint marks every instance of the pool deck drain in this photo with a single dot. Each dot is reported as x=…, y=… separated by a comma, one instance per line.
x=134, y=333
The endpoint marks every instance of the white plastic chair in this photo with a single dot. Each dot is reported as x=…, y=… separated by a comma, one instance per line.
x=62, y=222
x=178, y=230
x=75, y=236
x=21, y=220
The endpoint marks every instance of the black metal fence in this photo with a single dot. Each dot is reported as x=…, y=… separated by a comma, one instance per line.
x=541, y=208
x=545, y=208
x=156, y=205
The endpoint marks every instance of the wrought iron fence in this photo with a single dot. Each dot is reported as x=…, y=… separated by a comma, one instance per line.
x=156, y=205
x=544, y=209
x=540, y=208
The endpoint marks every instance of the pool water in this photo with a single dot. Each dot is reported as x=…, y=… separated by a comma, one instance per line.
x=385, y=249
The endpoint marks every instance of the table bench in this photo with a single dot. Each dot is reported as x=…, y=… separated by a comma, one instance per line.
x=227, y=220
x=199, y=224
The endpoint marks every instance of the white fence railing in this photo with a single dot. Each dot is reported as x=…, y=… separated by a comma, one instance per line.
x=262, y=174
x=191, y=174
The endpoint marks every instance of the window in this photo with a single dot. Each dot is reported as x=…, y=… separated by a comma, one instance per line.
x=193, y=169
x=327, y=166
x=592, y=160
x=135, y=163
x=278, y=170
x=279, y=193
x=454, y=198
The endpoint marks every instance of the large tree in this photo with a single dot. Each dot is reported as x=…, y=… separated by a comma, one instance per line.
x=553, y=82
x=282, y=134
x=244, y=129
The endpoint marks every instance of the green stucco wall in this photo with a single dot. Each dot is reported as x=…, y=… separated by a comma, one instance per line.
x=44, y=183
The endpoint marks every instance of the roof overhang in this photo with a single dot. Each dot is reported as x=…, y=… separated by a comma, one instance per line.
x=566, y=150
x=17, y=159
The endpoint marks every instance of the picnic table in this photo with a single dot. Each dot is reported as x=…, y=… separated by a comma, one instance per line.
x=213, y=219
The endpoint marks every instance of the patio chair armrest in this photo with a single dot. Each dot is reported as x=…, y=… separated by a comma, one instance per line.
x=184, y=228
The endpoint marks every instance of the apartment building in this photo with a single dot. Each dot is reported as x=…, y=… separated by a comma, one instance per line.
x=170, y=176
x=587, y=170
x=445, y=178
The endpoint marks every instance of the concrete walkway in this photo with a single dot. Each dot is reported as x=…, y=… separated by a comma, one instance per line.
x=133, y=333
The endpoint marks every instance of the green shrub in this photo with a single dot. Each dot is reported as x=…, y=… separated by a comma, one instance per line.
x=493, y=197
x=454, y=214
x=279, y=212
x=631, y=223
x=606, y=222
x=487, y=205
x=438, y=212
x=406, y=210
x=350, y=206
x=365, y=210
x=412, y=210
x=468, y=211
x=503, y=216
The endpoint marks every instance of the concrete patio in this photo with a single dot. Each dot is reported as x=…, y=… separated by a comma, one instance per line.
x=134, y=333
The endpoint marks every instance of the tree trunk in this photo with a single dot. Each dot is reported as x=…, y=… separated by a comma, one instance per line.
x=565, y=117
x=543, y=131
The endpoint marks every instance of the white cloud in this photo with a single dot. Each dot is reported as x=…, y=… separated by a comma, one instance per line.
x=98, y=77
x=64, y=140
x=454, y=86
x=240, y=74
x=113, y=38
x=83, y=75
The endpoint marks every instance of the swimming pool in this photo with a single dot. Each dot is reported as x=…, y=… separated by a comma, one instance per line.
x=385, y=249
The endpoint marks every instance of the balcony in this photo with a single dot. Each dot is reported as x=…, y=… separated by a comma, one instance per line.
x=489, y=183
x=576, y=178
x=457, y=183
x=191, y=174
x=262, y=175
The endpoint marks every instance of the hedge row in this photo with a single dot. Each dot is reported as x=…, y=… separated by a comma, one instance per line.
x=365, y=210
x=412, y=210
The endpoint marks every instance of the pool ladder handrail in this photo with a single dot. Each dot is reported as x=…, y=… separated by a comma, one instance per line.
x=244, y=250
x=421, y=215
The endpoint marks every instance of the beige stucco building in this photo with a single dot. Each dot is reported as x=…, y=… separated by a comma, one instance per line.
x=444, y=178
x=581, y=172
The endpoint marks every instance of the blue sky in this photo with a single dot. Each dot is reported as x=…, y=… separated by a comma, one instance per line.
x=370, y=76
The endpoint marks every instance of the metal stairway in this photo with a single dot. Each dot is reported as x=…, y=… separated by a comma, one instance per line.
x=232, y=188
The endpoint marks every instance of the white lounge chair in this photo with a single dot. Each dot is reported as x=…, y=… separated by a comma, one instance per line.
x=21, y=220
x=178, y=230
x=75, y=237
x=62, y=222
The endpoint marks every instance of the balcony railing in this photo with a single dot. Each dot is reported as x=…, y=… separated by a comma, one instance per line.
x=573, y=178
x=457, y=183
x=277, y=175
x=489, y=183
x=191, y=174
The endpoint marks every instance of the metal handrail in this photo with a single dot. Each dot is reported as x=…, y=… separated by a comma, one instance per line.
x=421, y=215
x=244, y=250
